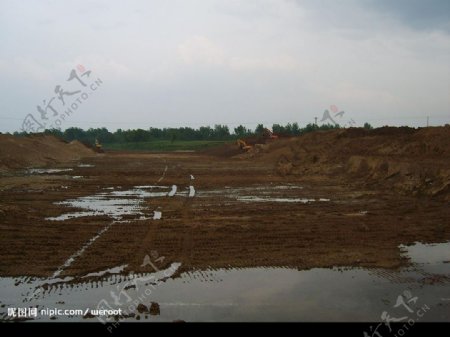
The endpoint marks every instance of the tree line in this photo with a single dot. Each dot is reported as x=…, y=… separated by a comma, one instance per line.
x=218, y=132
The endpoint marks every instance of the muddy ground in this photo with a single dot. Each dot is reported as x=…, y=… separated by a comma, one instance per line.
x=349, y=223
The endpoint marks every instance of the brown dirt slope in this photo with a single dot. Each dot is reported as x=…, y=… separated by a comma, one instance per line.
x=38, y=150
x=412, y=161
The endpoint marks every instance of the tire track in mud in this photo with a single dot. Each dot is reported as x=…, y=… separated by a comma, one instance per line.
x=400, y=277
x=184, y=209
x=157, y=215
x=80, y=252
x=188, y=240
x=163, y=175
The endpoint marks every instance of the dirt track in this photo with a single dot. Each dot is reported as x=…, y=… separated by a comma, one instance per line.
x=362, y=224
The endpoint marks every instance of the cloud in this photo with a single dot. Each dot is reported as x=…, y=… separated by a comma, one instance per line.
x=229, y=61
x=26, y=68
x=380, y=14
x=200, y=50
x=279, y=63
x=418, y=14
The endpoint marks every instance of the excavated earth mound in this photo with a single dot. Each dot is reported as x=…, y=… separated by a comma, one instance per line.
x=412, y=161
x=38, y=150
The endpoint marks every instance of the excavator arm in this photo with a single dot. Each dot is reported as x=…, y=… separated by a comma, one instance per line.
x=243, y=145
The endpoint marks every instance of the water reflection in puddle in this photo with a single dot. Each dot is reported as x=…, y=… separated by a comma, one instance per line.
x=263, y=193
x=429, y=258
x=98, y=205
x=254, y=294
x=115, y=204
x=259, y=199
x=47, y=171
x=89, y=291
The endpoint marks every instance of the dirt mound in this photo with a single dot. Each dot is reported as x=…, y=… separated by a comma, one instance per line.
x=411, y=160
x=38, y=150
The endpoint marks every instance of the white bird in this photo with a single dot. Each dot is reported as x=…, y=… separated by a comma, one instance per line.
x=192, y=177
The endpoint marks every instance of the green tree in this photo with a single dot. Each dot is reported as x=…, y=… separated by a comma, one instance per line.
x=205, y=132
x=259, y=129
x=241, y=131
x=295, y=131
x=221, y=131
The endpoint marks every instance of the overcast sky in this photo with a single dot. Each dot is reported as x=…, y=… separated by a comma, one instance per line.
x=198, y=62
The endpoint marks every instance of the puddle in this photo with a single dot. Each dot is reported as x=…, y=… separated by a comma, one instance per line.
x=250, y=294
x=428, y=253
x=104, y=289
x=77, y=177
x=115, y=270
x=431, y=258
x=258, y=189
x=173, y=191
x=148, y=186
x=98, y=205
x=47, y=171
x=115, y=204
x=191, y=191
x=86, y=165
x=287, y=187
x=266, y=193
x=139, y=193
x=259, y=199
x=157, y=215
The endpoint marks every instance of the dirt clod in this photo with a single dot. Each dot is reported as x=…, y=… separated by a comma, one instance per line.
x=154, y=309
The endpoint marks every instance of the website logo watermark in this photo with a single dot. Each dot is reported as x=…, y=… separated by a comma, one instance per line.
x=122, y=295
x=336, y=117
x=53, y=111
x=409, y=312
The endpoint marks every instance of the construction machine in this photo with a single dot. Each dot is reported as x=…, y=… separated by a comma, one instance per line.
x=268, y=134
x=98, y=146
x=243, y=145
x=247, y=143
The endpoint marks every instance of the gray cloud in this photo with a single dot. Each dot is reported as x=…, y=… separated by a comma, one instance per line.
x=195, y=62
x=416, y=14
x=419, y=14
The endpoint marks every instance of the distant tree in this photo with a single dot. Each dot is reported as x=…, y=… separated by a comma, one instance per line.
x=310, y=127
x=54, y=132
x=259, y=129
x=329, y=126
x=295, y=131
x=205, y=132
x=221, y=131
x=368, y=126
x=74, y=133
x=241, y=131
x=277, y=128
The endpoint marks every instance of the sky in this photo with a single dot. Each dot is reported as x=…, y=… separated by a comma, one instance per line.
x=172, y=63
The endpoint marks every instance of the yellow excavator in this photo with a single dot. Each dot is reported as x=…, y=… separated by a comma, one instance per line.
x=98, y=146
x=266, y=136
x=243, y=145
